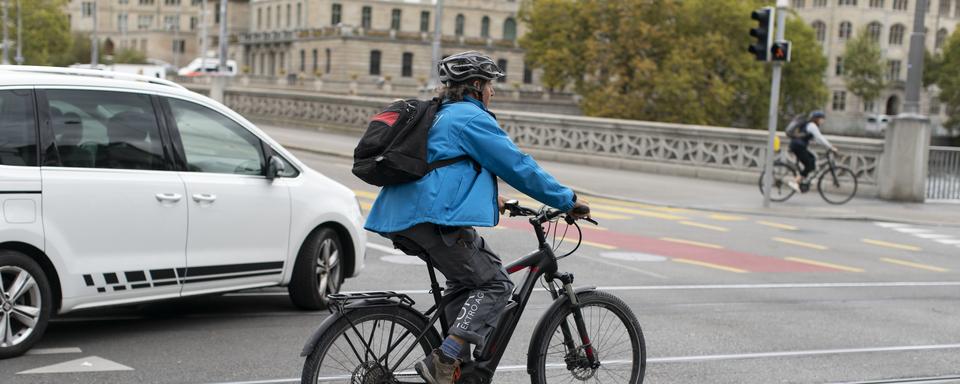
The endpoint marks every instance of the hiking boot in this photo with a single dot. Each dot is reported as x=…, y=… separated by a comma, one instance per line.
x=439, y=369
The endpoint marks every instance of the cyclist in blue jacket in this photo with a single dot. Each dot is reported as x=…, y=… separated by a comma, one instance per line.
x=435, y=215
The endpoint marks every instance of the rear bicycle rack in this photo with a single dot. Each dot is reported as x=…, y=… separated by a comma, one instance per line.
x=338, y=301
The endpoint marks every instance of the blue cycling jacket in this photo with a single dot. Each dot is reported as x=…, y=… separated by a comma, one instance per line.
x=458, y=195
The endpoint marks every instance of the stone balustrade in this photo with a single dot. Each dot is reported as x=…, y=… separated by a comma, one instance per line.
x=685, y=150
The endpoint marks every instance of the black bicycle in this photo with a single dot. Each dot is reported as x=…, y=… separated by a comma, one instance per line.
x=837, y=184
x=585, y=335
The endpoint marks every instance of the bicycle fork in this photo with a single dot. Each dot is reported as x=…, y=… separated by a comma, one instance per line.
x=572, y=358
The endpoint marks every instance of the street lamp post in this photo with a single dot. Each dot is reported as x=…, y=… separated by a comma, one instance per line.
x=437, y=35
x=19, y=58
x=915, y=60
x=774, y=104
x=94, y=42
x=6, y=47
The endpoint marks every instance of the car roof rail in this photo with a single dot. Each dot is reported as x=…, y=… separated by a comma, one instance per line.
x=89, y=73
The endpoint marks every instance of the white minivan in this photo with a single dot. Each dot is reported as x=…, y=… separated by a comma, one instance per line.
x=118, y=188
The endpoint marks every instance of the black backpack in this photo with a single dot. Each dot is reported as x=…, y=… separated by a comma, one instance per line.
x=393, y=150
x=797, y=127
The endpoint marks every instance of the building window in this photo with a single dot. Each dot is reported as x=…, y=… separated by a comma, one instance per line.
x=171, y=2
x=179, y=46
x=845, y=30
x=799, y=3
x=144, y=21
x=900, y=5
x=893, y=70
x=876, y=3
x=407, y=68
x=259, y=18
x=896, y=34
x=458, y=28
x=146, y=2
x=122, y=22
x=335, y=14
x=395, y=19
x=278, y=17
x=485, y=27
x=171, y=22
x=87, y=9
x=868, y=106
x=839, y=100
x=944, y=7
x=821, y=30
x=425, y=21
x=289, y=12
x=194, y=22
x=838, y=69
x=847, y=3
x=303, y=60
x=941, y=38
x=819, y=3
x=874, y=30
x=509, y=29
x=314, y=60
x=326, y=63
x=268, y=17
x=502, y=63
x=375, y=62
x=299, y=15
x=527, y=73
x=366, y=16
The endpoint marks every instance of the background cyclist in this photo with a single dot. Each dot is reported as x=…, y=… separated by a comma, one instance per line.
x=799, y=143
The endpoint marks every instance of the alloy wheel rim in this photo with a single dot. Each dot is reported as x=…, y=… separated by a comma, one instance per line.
x=327, y=269
x=20, y=305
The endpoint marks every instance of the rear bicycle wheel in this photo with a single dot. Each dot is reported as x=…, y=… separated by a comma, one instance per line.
x=612, y=330
x=838, y=186
x=359, y=350
x=782, y=174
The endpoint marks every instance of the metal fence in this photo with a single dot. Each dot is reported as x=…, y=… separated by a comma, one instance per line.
x=943, y=179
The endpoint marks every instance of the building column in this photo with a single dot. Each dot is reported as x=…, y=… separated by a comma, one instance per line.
x=903, y=165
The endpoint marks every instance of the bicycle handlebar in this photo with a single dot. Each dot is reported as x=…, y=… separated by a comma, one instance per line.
x=548, y=214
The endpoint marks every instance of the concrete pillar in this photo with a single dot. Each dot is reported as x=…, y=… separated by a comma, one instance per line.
x=903, y=166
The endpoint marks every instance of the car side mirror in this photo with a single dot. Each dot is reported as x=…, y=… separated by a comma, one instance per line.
x=275, y=167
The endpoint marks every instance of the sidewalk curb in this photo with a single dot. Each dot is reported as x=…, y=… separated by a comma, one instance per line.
x=852, y=217
x=584, y=191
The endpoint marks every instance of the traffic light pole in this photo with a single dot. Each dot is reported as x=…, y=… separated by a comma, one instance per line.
x=774, y=105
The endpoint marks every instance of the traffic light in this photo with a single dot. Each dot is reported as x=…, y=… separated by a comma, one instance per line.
x=763, y=33
x=780, y=51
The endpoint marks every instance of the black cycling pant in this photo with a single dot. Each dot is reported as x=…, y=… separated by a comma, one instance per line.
x=806, y=158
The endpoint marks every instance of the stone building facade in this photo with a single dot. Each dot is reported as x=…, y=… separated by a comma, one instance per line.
x=890, y=22
x=168, y=30
x=377, y=40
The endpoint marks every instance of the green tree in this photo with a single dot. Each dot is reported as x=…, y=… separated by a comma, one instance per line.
x=129, y=56
x=863, y=68
x=947, y=77
x=668, y=60
x=46, y=31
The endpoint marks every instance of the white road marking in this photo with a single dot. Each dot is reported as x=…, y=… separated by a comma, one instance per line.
x=86, y=364
x=384, y=248
x=912, y=230
x=627, y=267
x=403, y=260
x=891, y=225
x=53, y=351
x=682, y=359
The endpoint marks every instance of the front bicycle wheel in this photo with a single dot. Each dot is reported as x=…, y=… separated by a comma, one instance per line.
x=782, y=175
x=837, y=186
x=371, y=347
x=613, y=332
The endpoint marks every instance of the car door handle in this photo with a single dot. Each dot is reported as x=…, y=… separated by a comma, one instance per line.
x=169, y=197
x=204, y=197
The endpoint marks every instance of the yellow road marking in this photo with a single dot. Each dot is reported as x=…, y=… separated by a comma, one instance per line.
x=891, y=245
x=593, y=213
x=656, y=215
x=710, y=265
x=914, y=265
x=369, y=195
x=824, y=264
x=723, y=217
x=800, y=243
x=777, y=225
x=598, y=245
x=690, y=242
x=705, y=226
x=365, y=205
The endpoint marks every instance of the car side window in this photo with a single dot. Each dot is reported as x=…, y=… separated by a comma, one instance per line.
x=104, y=129
x=213, y=143
x=18, y=131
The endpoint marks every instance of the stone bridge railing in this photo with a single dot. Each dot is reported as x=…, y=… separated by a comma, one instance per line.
x=684, y=150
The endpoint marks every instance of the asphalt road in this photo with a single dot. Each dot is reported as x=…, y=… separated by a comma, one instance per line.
x=721, y=298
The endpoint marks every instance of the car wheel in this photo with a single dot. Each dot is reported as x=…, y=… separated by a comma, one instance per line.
x=25, y=303
x=318, y=271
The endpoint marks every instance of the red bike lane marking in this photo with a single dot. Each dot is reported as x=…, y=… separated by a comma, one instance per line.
x=724, y=257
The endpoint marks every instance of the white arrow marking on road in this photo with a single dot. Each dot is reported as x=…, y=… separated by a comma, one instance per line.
x=86, y=364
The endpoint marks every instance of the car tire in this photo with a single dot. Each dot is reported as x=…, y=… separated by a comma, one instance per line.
x=318, y=270
x=26, y=303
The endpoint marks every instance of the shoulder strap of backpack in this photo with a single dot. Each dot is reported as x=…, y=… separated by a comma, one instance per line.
x=451, y=161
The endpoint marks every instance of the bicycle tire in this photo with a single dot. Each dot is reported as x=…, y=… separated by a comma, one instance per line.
x=543, y=342
x=781, y=191
x=351, y=369
x=845, y=185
